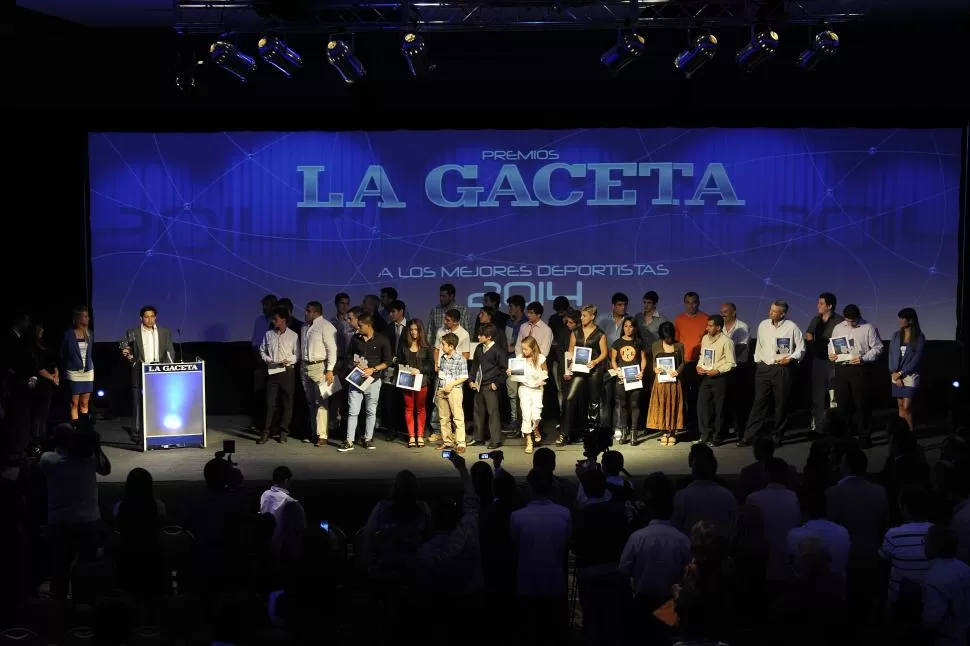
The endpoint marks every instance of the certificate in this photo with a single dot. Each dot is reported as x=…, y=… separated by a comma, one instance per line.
x=408, y=381
x=631, y=380
x=667, y=365
x=359, y=380
x=707, y=358
x=517, y=369
x=782, y=348
x=581, y=359
x=843, y=349
x=328, y=390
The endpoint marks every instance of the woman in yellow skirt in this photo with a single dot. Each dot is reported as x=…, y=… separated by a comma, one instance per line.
x=666, y=412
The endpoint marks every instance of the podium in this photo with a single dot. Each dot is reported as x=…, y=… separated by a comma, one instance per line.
x=173, y=405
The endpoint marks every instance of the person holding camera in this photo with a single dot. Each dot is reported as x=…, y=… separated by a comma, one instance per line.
x=73, y=514
x=449, y=565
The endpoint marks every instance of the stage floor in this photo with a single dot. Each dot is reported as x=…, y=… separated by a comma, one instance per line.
x=318, y=463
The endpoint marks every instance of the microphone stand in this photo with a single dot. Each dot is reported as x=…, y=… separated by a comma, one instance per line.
x=178, y=331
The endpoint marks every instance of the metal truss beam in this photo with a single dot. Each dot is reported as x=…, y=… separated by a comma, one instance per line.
x=215, y=16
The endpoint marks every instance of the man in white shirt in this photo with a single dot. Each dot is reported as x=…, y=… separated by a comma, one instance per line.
x=861, y=348
x=741, y=379
x=286, y=510
x=318, y=360
x=779, y=348
x=279, y=352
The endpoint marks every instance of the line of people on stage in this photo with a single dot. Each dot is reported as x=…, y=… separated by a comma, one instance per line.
x=698, y=374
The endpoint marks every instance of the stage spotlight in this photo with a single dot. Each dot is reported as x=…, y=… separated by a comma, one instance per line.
x=955, y=384
x=275, y=53
x=100, y=393
x=625, y=51
x=186, y=66
x=825, y=46
x=762, y=47
x=230, y=58
x=343, y=60
x=691, y=59
x=415, y=51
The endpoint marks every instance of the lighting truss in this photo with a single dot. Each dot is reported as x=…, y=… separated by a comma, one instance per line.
x=214, y=16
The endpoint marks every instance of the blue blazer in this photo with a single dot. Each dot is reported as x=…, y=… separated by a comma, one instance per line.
x=71, y=353
x=909, y=365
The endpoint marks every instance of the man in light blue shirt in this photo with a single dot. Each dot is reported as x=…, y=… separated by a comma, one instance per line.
x=853, y=347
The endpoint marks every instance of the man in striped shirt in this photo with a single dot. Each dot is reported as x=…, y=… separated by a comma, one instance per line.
x=905, y=547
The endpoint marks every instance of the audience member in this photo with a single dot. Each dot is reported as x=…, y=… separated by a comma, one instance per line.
x=73, y=514
x=705, y=499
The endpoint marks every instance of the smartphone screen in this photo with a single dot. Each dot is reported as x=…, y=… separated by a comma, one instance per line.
x=446, y=454
x=324, y=525
x=484, y=456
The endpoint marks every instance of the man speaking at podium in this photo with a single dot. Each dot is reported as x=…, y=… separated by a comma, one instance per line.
x=145, y=343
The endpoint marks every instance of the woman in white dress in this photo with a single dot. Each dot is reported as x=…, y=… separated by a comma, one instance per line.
x=77, y=349
x=531, y=386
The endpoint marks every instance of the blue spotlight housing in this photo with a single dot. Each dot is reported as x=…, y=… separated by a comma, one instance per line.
x=628, y=49
x=343, y=60
x=824, y=47
x=762, y=47
x=691, y=59
x=415, y=51
x=278, y=55
x=230, y=58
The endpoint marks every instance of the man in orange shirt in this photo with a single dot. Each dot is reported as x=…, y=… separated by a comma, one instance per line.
x=690, y=328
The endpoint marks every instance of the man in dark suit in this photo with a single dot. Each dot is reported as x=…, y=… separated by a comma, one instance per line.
x=489, y=366
x=391, y=405
x=145, y=343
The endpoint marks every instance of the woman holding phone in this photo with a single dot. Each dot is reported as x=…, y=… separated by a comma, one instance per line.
x=419, y=360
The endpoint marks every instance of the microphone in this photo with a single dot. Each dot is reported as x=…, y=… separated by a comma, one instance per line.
x=178, y=331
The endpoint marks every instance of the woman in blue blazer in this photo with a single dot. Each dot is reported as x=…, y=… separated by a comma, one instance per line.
x=77, y=349
x=905, y=357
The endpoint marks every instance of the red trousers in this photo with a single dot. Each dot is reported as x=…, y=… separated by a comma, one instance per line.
x=415, y=400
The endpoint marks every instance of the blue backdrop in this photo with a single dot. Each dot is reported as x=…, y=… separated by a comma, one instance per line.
x=203, y=225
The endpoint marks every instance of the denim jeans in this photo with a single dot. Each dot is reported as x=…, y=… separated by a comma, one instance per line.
x=369, y=399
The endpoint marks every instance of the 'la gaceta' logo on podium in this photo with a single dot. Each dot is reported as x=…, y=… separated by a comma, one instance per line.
x=173, y=367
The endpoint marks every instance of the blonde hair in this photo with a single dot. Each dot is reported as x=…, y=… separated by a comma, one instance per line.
x=76, y=320
x=533, y=349
x=589, y=309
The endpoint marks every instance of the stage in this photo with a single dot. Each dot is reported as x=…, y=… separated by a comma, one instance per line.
x=325, y=464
